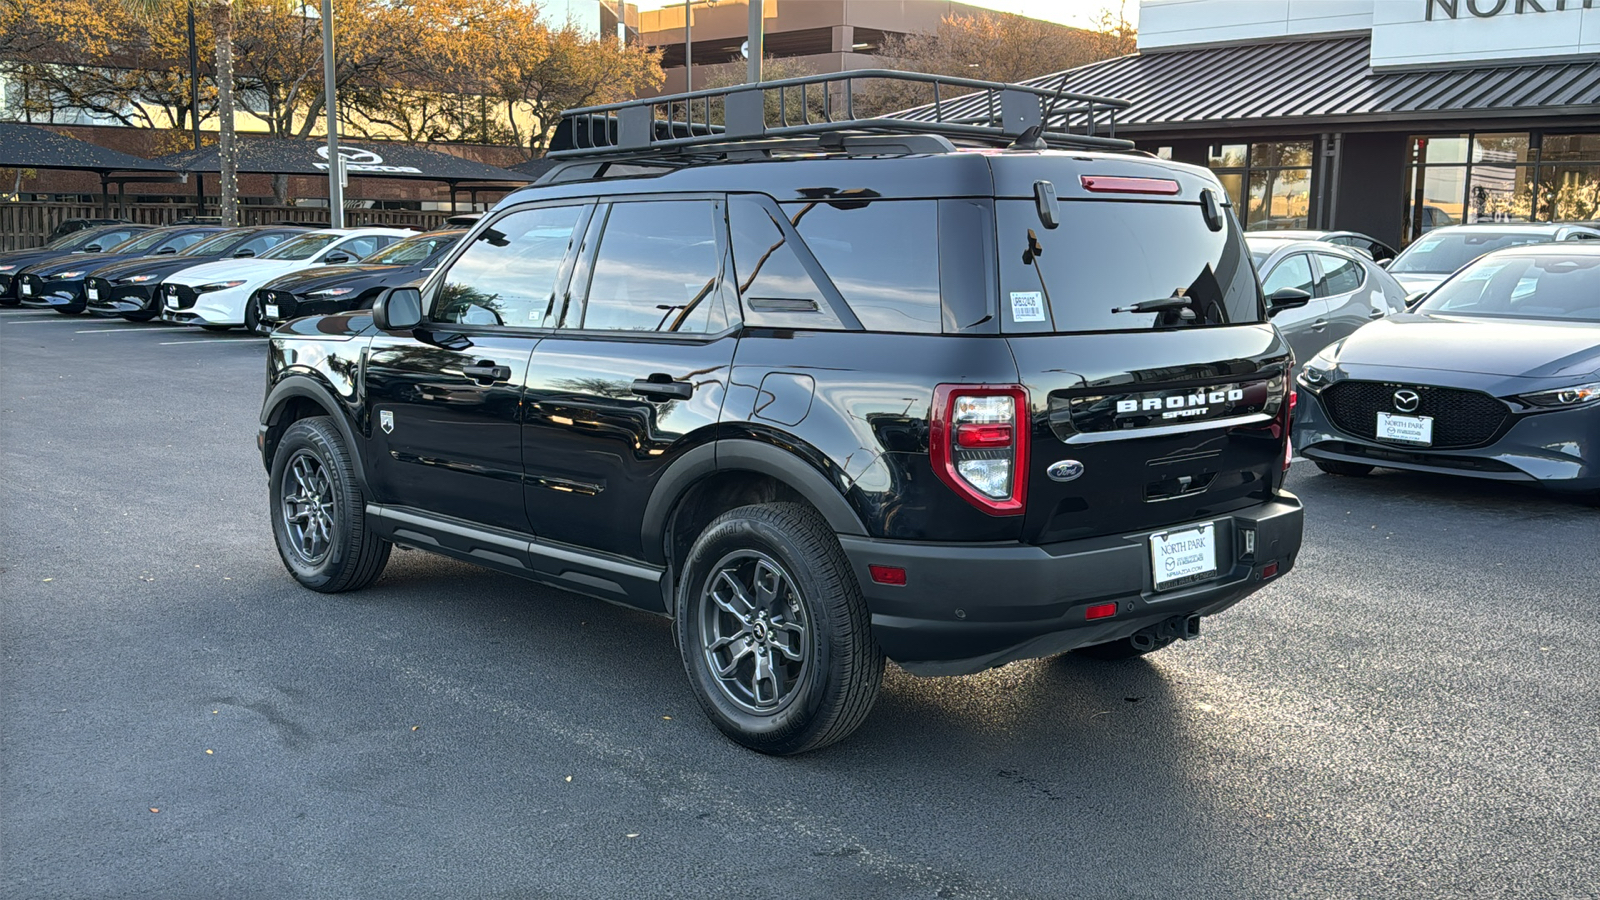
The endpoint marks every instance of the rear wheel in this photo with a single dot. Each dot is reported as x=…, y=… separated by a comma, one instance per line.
x=1337, y=467
x=319, y=515
x=774, y=632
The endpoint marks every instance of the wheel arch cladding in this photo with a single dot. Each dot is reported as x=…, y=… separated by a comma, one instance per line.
x=299, y=397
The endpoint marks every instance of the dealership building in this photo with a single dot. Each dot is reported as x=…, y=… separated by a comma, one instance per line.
x=1387, y=117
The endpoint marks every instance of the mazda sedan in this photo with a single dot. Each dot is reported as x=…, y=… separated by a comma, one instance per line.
x=1495, y=375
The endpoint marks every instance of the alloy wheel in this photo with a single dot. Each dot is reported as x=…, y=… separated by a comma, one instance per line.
x=307, y=507
x=753, y=631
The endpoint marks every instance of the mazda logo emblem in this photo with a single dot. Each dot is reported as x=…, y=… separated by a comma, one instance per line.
x=1407, y=400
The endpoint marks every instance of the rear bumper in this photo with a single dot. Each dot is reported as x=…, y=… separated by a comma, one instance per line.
x=969, y=607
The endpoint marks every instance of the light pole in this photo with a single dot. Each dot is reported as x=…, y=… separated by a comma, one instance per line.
x=753, y=66
x=688, y=45
x=335, y=167
x=194, y=114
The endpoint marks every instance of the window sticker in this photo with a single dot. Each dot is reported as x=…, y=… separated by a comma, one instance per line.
x=1027, y=306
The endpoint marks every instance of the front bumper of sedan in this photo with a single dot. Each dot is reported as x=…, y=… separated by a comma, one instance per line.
x=182, y=305
x=41, y=293
x=1557, y=448
x=106, y=298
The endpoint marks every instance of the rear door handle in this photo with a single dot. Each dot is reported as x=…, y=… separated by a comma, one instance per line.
x=660, y=386
x=484, y=371
x=1319, y=325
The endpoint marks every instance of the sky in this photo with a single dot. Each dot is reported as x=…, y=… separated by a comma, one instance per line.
x=1082, y=13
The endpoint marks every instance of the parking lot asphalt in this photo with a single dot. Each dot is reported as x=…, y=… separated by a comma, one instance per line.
x=1414, y=711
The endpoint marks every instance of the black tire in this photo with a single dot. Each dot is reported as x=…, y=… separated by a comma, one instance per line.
x=1336, y=467
x=252, y=316
x=804, y=602
x=217, y=328
x=319, y=517
x=141, y=316
x=72, y=309
x=1123, y=649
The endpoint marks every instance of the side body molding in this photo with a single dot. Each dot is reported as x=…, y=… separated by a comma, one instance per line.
x=736, y=454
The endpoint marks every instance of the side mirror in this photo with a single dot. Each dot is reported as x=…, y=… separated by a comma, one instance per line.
x=92, y=248
x=166, y=251
x=398, y=309
x=1384, y=263
x=1414, y=298
x=1286, y=298
x=244, y=253
x=333, y=259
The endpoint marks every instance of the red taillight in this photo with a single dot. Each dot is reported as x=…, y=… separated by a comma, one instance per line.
x=978, y=437
x=1270, y=570
x=1113, y=184
x=1100, y=611
x=887, y=574
x=1288, y=428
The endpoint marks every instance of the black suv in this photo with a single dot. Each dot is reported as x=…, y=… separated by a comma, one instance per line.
x=954, y=394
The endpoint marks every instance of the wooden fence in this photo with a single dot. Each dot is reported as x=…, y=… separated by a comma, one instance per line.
x=24, y=225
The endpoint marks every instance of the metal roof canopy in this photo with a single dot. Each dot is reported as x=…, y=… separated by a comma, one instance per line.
x=366, y=159
x=31, y=147
x=1316, y=83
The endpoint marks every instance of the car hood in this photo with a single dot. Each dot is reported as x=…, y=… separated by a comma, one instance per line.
x=255, y=270
x=159, y=266
x=20, y=258
x=1521, y=347
x=324, y=277
x=1418, y=281
x=86, y=262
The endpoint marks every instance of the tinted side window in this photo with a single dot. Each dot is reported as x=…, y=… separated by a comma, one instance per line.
x=1339, y=275
x=1292, y=272
x=773, y=282
x=356, y=248
x=658, y=268
x=507, y=276
x=882, y=256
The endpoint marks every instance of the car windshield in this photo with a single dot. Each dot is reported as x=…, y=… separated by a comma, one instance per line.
x=303, y=247
x=1109, y=256
x=1565, y=287
x=76, y=240
x=412, y=250
x=1441, y=254
x=142, y=243
x=218, y=245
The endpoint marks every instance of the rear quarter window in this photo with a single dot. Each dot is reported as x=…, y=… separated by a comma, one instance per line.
x=882, y=255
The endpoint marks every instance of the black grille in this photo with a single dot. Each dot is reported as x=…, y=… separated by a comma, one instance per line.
x=1460, y=418
x=186, y=295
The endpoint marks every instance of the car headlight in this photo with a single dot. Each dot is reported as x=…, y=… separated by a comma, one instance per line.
x=330, y=292
x=7, y=268
x=140, y=279
x=74, y=274
x=1577, y=395
x=1314, y=374
x=217, y=286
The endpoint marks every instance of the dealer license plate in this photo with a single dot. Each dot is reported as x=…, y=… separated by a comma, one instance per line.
x=93, y=292
x=26, y=289
x=1417, y=430
x=1183, y=556
x=270, y=310
x=172, y=301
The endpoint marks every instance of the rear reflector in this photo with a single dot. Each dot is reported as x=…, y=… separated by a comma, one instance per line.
x=1112, y=184
x=1100, y=611
x=887, y=574
x=1269, y=570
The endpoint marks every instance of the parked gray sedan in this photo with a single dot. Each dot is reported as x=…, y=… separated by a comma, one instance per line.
x=1347, y=289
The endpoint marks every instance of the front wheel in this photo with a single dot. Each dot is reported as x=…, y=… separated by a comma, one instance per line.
x=141, y=316
x=774, y=632
x=72, y=309
x=319, y=515
x=1337, y=467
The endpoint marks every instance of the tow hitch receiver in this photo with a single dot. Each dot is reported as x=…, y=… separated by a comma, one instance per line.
x=1176, y=628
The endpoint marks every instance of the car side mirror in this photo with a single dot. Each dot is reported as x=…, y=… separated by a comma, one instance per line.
x=244, y=253
x=92, y=248
x=166, y=251
x=1383, y=263
x=333, y=259
x=1286, y=298
x=1414, y=298
x=398, y=309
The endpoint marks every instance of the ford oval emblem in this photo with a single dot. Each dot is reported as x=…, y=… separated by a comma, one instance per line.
x=1065, y=470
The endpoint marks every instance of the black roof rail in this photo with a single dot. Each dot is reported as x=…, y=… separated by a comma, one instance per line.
x=812, y=110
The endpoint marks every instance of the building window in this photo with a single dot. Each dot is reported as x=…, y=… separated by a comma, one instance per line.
x=1270, y=182
x=1500, y=177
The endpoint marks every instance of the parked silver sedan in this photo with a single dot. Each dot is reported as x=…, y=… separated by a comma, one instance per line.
x=1346, y=287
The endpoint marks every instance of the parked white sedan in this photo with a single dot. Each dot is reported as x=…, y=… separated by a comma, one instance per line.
x=216, y=295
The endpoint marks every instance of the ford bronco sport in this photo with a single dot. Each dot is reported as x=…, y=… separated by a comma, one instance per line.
x=954, y=393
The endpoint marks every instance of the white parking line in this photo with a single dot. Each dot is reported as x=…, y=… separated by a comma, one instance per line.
x=123, y=330
x=217, y=341
x=58, y=320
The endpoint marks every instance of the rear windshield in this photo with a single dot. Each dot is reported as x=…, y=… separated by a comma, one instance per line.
x=1441, y=254
x=1523, y=287
x=1109, y=255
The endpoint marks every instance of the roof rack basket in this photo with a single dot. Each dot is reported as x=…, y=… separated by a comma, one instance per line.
x=808, y=110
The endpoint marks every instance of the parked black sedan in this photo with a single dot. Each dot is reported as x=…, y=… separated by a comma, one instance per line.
x=127, y=289
x=58, y=282
x=329, y=289
x=87, y=240
x=1495, y=375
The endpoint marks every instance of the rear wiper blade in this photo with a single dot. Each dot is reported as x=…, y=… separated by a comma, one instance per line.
x=1160, y=304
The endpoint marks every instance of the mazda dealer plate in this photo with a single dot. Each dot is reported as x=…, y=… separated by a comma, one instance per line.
x=93, y=292
x=172, y=300
x=26, y=288
x=271, y=310
x=1414, y=430
x=1183, y=556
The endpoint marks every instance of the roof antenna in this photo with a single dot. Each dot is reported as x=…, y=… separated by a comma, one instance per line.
x=1031, y=138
